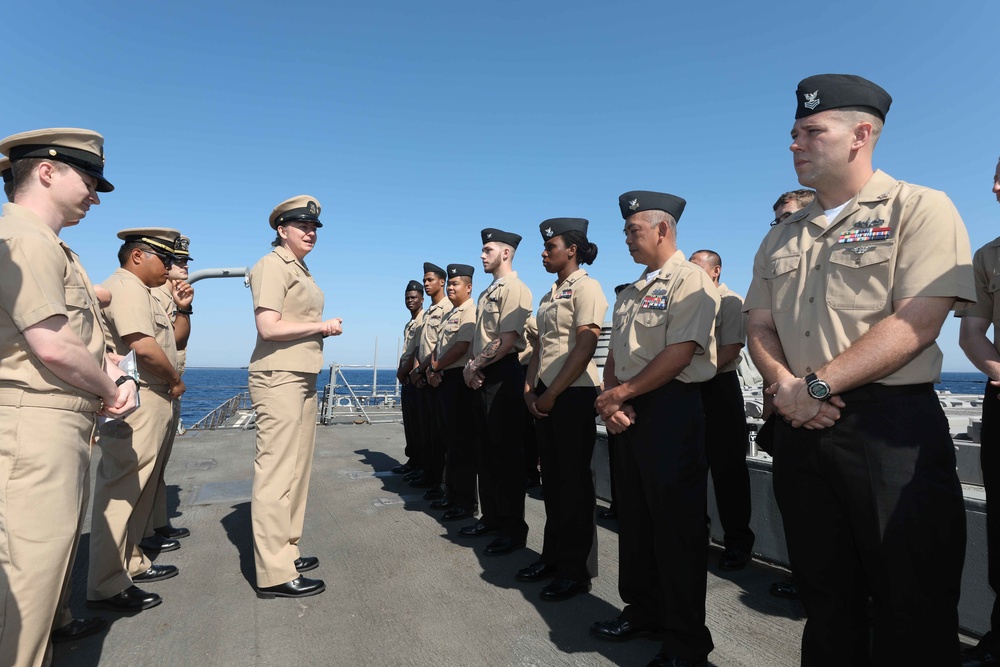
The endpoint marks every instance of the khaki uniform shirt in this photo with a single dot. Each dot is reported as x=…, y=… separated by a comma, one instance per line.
x=575, y=302
x=282, y=283
x=530, y=341
x=40, y=277
x=165, y=297
x=503, y=306
x=133, y=310
x=730, y=324
x=827, y=285
x=430, y=328
x=677, y=306
x=411, y=335
x=459, y=325
x=986, y=267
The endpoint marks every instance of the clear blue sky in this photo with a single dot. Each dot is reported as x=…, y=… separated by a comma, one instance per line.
x=418, y=124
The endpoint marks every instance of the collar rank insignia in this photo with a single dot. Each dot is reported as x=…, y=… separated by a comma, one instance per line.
x=651, y=302
x=565, y=294
x=812, y=100
x=548, y=232
x=634, y=204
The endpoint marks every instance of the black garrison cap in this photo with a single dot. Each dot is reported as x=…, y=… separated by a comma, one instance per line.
x=414, y=286
x=490, y=234
x=456, y=270
x=823, y=92
x=556, y=226
x=435, y=269
x=642, y=200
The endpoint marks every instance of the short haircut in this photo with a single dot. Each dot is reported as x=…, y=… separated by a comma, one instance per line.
x=657, y=216
x=126, y=250
x=22, y=170
x=713, y=257
x=803, y=197
x=855, y=115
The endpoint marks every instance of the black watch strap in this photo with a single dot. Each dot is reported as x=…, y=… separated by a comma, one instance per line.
x=125, y=378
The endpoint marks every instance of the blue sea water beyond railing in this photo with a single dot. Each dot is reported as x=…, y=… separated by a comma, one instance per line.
x=207, y=388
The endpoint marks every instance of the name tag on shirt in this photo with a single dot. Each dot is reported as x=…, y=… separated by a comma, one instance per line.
x=654, y=302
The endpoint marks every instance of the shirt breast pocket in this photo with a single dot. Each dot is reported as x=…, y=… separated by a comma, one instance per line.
x=651, y=329
x=783, y=282
x=859, y=281
x=992, y=289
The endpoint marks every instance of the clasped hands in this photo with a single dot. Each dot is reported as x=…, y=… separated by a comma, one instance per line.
x=793, y=403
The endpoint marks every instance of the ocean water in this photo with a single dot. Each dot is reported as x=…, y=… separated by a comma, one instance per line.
x=208, y=388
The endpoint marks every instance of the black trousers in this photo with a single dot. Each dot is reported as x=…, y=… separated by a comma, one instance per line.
x=409, y=396
x=873, y=506
x=499, y=450
x=433, y=450
x=661, y=479
x=456, y=407
x=989, y=459
x=726, y=447
x=566, y=445
x=530, y=440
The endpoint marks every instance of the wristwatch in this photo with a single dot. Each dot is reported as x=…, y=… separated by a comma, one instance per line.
x=817, y=388
x=125, y=378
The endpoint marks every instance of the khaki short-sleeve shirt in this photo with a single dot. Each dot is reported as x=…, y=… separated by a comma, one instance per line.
x=282, y=283
x=134, y=310
x=40, y=277
x=430, y=328
x=411, y=335
x=730, y=323
x=575, y=302
x=502, y=307
x=826, y=285
x=986, y=267
x=459, y=325
x=165, y=297
x=677, y=306
x=530, y=341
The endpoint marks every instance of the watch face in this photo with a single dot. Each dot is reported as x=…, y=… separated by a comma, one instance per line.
x=819, y=390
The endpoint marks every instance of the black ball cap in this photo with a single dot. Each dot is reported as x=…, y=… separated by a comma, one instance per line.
x=637, y=201
x=491, y=234
x=823, y=92
x=456, y=270
x=414, y=286
x=435, y=269
x=555, y=226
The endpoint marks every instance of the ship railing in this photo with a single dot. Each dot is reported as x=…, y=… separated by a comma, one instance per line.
x=218, y=417
x=358, y=402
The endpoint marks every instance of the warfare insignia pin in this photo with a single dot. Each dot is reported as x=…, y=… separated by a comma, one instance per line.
x=812, y=100
x=548, y=232
x=659, y=292
x=634, y=204
x=861, y=249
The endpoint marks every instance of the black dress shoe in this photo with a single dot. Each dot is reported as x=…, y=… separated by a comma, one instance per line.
x=564, y=589
x=536, y=572
x=299, y=587
x=403, y=468
x=784, y=589
x=434, y=494
x=306, y=563
x=608, y=514
x=504, y=545
x=78, y=628
x=456, y=514
x=669, y=660
x=620, y=630
x=158, y=544
x=156, y=573
x=442, y=504
x=416, y=473
x=734, y=559
x=131, y=599
x=985, y=654
x=171, y=532
x=423, y=483
x=477, y=529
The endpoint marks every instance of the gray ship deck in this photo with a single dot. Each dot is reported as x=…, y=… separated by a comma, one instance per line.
x=402, y=587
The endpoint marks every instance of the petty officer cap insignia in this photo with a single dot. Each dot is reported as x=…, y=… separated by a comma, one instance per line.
x=555, y=226
x=490, y=234
x=81, y=149
x=456, y=270
x=414, y=286
x=181, y=246
x=642, y=200
x=836, y=91
x=301, y=208
x=161, y=239
x=435, y=269
x=6, y=170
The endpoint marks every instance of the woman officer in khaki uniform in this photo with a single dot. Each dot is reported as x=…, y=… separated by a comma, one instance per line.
x=288, y=310
x=560, y=389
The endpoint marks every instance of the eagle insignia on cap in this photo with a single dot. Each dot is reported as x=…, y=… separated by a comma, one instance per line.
x=312, y=207
x=812, y=100
x=634, y=204
x=454, y=271
x=548, y=232
x=490, y=235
